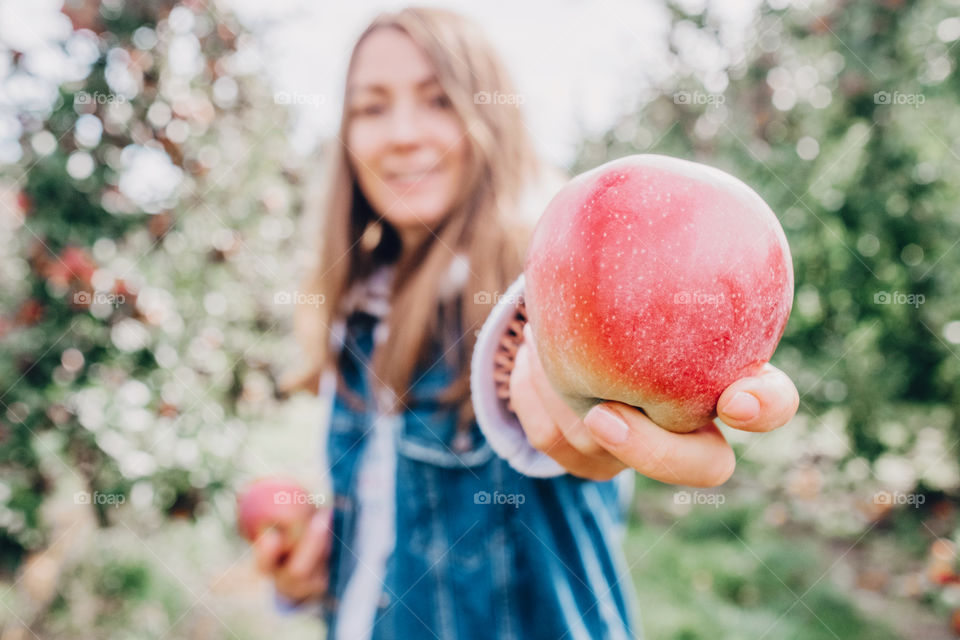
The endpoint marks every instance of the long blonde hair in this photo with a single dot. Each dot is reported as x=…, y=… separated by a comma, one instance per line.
x=484, y=226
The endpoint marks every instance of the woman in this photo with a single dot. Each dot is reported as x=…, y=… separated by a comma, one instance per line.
x=433, y=535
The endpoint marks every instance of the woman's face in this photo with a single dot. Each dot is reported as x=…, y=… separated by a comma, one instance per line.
x=407, y=147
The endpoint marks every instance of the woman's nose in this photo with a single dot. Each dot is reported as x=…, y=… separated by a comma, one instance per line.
x=405, y=126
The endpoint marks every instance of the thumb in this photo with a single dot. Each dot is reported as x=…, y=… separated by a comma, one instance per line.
x=699, y=458
x=267, y=550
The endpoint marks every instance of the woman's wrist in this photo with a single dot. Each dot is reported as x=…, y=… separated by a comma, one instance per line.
x=287, y=604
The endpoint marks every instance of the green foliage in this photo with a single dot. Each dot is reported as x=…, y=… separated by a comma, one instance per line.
x=130, y=355
x=112, y=590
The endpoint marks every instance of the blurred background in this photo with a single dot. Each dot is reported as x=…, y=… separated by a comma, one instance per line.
x=154, y=160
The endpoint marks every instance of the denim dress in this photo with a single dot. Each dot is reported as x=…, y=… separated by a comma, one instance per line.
x=435, y=536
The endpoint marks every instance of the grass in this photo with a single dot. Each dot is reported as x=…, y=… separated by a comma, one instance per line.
x=723, y=572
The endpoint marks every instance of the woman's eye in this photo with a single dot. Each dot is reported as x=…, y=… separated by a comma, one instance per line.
x=440, y=101
x=373, y=109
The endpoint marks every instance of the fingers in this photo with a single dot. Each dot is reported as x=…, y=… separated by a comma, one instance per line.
x=304, y=576
x=614, y=436
x=701, y=458
x=311, y=548
x=299, y=590
x=759, y=403
x=565, y=418
x=267, y=550
x=540, y=428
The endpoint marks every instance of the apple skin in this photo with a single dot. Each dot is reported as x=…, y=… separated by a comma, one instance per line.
x=276, y=503
x=656, y=282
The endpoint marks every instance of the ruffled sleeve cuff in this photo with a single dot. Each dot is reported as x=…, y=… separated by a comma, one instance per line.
x=499, y=425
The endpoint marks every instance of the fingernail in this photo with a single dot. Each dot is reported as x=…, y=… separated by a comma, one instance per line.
x=743, y=407
x=606, y=425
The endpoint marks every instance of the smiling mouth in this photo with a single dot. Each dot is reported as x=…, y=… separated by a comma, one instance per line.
x=413, y=177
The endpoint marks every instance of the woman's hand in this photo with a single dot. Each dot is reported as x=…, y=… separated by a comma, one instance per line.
x=615, y=436
x=303, y=573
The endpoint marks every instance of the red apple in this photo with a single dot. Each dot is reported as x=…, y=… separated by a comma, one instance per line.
x=276, y=503
x=656, y=282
